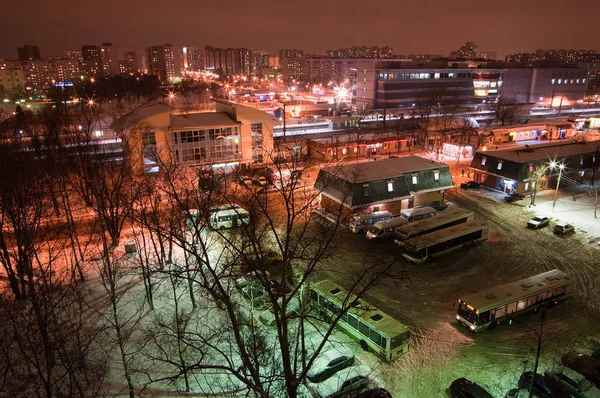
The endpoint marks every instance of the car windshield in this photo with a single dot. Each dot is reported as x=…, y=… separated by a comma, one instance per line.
x=537, y=219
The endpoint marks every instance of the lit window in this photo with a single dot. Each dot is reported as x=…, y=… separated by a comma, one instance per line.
x=581, y=160
x=414, y=179
x=559, y=81
x=390, y=186
x=577, y=81
x=583, y=80
x=527, y=186
x=594, y=159
x=365, y=189
x=344, y=151
x=572, y=81
x=355, y=149
x=364, y=72
x=436, y=75
x=436, y=175
x=483, y=160
x=533, y=185
x=365, y=80
x=499, y=165
x=582, y=173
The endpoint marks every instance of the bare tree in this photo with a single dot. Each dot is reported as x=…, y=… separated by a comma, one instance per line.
x=506, y=111
x=535, y=176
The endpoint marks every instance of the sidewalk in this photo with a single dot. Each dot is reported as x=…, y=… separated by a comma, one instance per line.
x=579, y=213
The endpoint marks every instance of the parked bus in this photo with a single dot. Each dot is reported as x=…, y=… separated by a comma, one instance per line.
x=229, y=218
x=418, y=213
x=386, y=229
x=450, y=217
x=372, y=328
x=365, y=222
x=462, y=236
x=487, y=309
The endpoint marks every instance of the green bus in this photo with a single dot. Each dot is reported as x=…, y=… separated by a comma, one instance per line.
x=423, y=248
x=372, y=328
x=489, y=308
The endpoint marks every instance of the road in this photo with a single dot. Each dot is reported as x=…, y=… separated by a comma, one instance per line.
x=441, y=350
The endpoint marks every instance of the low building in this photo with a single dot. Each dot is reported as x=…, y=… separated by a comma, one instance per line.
x=391, y=184
x=233, y=136
x=537, y=130
x=509, y=170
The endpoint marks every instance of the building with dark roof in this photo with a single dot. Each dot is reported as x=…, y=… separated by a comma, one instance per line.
x=509, y=170
x=391, y=184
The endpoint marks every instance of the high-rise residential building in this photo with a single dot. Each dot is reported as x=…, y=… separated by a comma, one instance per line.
x=74, y=54
x=192, y=59
x=259, y=61
x=109, y=60
x=468, y=51
x=230, y=61
x=291, y=53
x=162, y=62
x=361, y=52
x=12, y=79
x=487, y=55
x=131, y=61
x=91, y=63
x=28, y=53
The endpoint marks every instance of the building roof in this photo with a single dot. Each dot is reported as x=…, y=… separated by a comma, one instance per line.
x=545, y=151
x=202, y=119
x=145, y=111
x=383, y=169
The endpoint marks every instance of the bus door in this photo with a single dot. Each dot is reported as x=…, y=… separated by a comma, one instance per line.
x=234, y=221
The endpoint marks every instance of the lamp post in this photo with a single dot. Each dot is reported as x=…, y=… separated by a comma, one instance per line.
x=561, y=167
x=539, y=345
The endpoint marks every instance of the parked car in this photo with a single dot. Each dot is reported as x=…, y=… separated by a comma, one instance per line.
x=463, y=388
x=260, y=181
x=576, y=386
x=268, y=317
x=343, y=382
x=245, y=180
x=538, y=222
x=585, y=365
x=329, y=362
x=469, y=184
x=439, y=206
x=252, y=277
x=374, y=393
x=543, y=386
x=513, y=197
x=563, y=229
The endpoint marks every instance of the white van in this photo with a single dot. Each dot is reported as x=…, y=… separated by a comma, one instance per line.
x=366, y=222
x=418, y=213
x=230, y=218
x=386, y=229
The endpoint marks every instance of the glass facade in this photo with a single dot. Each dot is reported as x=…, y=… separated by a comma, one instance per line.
x=208, y=145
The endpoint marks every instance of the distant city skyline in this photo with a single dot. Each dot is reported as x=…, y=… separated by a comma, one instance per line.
x=413, y=28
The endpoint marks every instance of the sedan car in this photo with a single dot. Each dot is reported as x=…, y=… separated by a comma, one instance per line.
x=538, y=222
x=585, y=365
x=543, y=386
x=329, y=362
x=513, y=197
x=563, y=229
x=439, y=206
x=343, y=382
x=469, y=184
x=245, y=180
x=463, y=388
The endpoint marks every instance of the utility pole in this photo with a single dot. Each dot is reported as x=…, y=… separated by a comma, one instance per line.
x=284, y=120
x=539, y=350
x=560, y=106
x=560, y=169
x=552, y=99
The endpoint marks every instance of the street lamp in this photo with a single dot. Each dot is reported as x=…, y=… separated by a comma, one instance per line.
x=561, y=167
x=539, y=346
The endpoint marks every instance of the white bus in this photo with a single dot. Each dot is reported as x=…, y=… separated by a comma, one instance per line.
x=385, y=229
x=418, y=213
x=372, y=328
x=230, y=218
x=365, y=222
x=450, y=217
x=462, y=236
x=487, y=309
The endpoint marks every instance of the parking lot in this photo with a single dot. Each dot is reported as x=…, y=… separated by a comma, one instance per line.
x=441, y=350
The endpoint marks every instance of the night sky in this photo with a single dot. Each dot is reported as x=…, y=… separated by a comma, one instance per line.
x=417, y=26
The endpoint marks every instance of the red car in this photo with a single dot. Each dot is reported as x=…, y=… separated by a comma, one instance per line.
x=585, y=365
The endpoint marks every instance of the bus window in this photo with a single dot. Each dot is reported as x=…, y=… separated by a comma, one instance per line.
x=377, y=339
x=560, y=290
x=352, y=321
x=521, y=305
x=484, y=317
x=364, y=328
x=512, y=307
x=531, y=301
x=541, y=296
x=552, y=293
x=500, y=312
